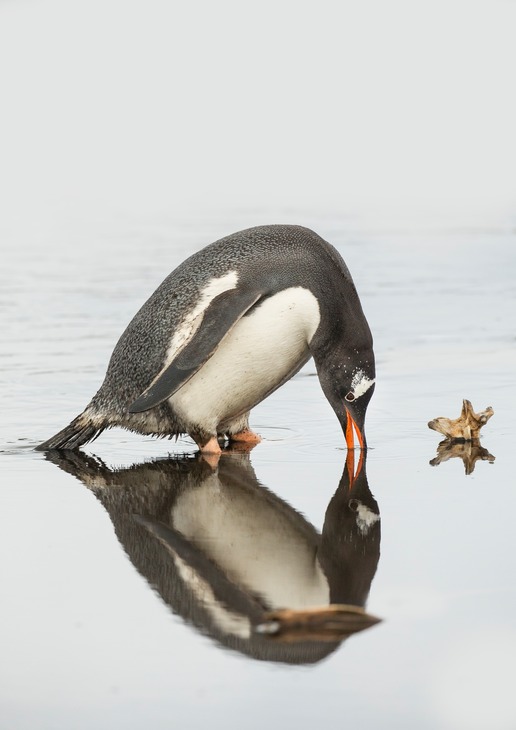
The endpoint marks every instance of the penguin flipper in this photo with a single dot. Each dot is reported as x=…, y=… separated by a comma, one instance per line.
x=219, y=318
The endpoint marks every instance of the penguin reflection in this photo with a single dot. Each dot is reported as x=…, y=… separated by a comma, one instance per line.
x=222, y=550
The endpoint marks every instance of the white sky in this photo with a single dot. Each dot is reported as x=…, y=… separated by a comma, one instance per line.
x=150, y=107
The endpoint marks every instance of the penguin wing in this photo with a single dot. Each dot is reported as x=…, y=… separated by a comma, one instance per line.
x=219, y=318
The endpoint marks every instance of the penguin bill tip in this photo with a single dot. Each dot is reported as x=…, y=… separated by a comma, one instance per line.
x=352, y=429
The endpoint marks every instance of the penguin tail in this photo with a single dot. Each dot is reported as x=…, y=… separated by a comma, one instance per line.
x=82, y=429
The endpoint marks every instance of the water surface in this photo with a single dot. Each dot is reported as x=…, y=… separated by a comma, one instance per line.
x=108, y=622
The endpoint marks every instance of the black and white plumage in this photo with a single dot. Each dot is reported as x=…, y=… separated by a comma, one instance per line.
x=224, y=330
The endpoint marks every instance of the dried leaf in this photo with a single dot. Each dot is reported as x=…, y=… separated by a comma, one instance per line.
x=464, y=428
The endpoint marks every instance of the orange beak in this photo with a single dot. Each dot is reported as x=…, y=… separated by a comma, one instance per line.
x=350, y=427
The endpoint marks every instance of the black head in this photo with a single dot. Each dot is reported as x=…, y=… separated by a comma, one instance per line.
x=347, y=378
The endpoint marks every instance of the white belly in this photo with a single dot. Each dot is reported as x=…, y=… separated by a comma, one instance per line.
x=260, y=352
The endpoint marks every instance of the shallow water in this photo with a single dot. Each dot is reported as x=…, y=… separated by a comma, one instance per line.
x=111, y=620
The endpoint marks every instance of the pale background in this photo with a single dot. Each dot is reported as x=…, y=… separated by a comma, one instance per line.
x=132, y=134
x=133, y=113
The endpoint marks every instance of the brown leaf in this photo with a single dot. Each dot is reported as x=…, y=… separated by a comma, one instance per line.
x=464, y=428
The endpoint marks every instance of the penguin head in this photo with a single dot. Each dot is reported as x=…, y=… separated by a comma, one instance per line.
x=348, y=383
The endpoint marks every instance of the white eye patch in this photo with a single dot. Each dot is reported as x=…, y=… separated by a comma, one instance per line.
x=366, y=518
x=360, y=384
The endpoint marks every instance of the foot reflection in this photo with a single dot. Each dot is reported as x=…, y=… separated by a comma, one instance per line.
x=234, y=559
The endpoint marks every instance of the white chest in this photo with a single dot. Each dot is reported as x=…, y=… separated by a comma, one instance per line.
x=259, y=353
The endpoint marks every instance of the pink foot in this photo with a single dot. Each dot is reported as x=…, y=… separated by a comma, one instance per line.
x=246, y=437
x=210, y=447
x=210, y=452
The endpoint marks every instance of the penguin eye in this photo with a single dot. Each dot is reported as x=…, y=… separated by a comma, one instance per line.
x=350, y=397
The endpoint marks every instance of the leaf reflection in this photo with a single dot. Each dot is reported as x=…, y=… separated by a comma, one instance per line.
x=469, y=451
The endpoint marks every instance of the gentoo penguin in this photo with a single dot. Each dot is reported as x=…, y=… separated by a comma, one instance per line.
x=225, y=329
